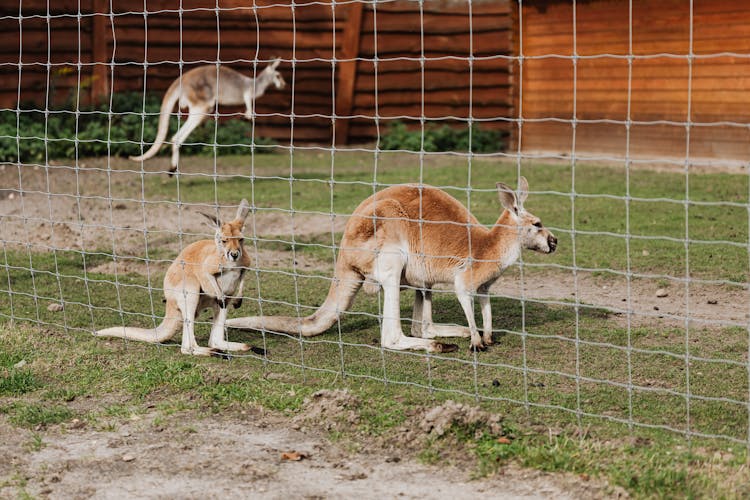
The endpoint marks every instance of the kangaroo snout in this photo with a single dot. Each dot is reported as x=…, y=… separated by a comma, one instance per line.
x=234, y=254
x=551, y=243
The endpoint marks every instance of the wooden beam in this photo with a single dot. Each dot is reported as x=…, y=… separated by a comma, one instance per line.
x=515, y=75
x=348, y=71
x=99, y=45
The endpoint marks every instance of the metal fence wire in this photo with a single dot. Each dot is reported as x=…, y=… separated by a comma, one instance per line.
x=629, y=119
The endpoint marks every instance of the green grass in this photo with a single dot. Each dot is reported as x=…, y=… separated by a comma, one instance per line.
x=554, y=368
x=36, y=415
x=600, y=225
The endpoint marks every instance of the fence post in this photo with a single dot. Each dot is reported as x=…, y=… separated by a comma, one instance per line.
x=99, y=44
x=348, y=71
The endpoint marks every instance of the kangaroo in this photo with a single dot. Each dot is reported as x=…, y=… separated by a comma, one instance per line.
x=420, y=236
x=199, y=91
x=207, y=273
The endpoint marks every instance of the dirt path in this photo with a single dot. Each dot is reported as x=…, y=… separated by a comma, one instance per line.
x=240, y=456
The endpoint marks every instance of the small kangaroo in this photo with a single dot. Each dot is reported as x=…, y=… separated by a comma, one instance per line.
x=420, y=236
x=199, y=90
x=207, y=273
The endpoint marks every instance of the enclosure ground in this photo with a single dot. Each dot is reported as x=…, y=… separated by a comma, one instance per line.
x=609, y=353
x=238, y=454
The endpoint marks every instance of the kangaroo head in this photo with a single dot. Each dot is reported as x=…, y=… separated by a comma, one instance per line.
x=273, y=76
x=228, y=235
x=531, y=232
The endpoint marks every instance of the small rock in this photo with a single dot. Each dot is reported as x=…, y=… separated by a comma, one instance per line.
x=661, y=292
x=645, y=253
x=11, y=196
x=128, y=457
x=293, y=456
x=120, y=206
x=656, y=308
x=20, y=364
x=55, y=307
x=713, y=302
x=76, y=423
x=495, y=383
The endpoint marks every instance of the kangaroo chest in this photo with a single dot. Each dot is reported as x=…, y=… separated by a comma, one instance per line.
x=229, y=279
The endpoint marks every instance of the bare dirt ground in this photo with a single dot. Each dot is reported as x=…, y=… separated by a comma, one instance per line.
x=251, y=453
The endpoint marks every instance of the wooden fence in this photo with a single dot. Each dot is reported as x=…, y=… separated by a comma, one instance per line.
x=356, y=66
x=664, y=90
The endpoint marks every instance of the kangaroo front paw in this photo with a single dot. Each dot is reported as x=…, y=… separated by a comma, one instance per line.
x=480, y=347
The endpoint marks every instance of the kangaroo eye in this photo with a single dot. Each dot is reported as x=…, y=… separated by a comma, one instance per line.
x=538, y=224
x=224, y=240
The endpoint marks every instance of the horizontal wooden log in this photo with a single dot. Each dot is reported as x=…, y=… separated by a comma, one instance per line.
x=227, y=24
x=447, y=24
x=436, y=111
x=433, y=80
x=39, y=7
x=210, y=37
x=276, y=11
x=386, y=65
x=437, y=8
x=651, y=140
x=480, y=97
x=203, y=55
x=412, y=44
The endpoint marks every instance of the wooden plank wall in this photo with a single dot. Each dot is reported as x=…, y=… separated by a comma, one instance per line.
x=32, y=42
x=390, y=75
x=720, y=84
x=147, y=50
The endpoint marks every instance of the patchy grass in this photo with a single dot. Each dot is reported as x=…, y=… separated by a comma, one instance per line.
x=613, y=222
x=581, y=393
x=36, y=415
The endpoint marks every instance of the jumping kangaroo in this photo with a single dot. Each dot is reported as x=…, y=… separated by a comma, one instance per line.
x=199, y=91
x=420, y=236
x=207, y=273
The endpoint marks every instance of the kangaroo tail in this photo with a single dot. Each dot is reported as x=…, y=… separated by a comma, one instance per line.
x=346, y=283
x=167, y=104
x=169, y=326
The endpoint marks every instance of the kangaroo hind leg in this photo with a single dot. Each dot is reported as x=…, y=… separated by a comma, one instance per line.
x=218, y=340
x=187, y=301
x=195, y=117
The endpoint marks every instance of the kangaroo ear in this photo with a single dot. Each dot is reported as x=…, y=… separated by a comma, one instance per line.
x=523, y=190
x=507, y=197
x=275, y=63
x=243, y=210
x=215, y=222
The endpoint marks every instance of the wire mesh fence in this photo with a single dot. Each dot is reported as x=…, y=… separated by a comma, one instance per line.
x=627, y=118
